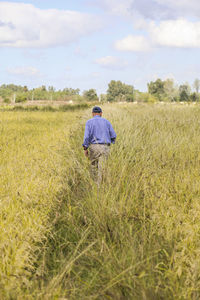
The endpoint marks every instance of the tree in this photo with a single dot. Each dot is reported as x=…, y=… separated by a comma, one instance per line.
x=194, y=97
x=118, y=91
x=43, y=88
x=170, y=90
x=103, y=98
x=157, y=89
x=184, y=92
x=7, y=91
x=70, y=91
x=90, y=95
x=25, y=89
x=196, y=85
x=51, y=89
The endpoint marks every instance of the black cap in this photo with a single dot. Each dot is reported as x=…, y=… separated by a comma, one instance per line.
x=97, y=109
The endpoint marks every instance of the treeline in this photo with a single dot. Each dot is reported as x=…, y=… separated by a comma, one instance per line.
x=159, y=90
x=16, y=93
x=167, y=90
x=117, y=91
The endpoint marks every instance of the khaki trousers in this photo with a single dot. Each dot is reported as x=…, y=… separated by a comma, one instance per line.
x=98, y=156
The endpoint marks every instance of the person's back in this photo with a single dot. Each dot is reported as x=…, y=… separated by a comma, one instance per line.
x=100, y=131
x=99, y=134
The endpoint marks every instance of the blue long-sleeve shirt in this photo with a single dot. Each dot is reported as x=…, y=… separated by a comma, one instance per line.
x=98, y=131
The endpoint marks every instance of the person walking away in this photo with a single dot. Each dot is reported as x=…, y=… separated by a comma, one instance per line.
x=99, y=135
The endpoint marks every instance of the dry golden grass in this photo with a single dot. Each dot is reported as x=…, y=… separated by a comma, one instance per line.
x=137, y=237
x=31, y=176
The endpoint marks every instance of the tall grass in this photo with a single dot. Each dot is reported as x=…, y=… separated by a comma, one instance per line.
x=31, y=178
x=137, y=237
x=46, y=108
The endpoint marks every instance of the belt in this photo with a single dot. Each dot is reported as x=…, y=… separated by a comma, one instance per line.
x=101, y=144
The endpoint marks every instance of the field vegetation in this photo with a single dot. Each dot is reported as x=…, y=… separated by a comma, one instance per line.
x=136, y=237
x=32, y=173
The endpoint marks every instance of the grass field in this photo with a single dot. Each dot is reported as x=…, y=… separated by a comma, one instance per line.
x=137, y=237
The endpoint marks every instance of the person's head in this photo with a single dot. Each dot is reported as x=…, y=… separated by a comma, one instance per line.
x=97, y=111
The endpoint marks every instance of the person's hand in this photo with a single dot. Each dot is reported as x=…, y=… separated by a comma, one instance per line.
x=86, y=153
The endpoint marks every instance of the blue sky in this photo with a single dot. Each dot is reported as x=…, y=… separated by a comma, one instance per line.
x=86, y=43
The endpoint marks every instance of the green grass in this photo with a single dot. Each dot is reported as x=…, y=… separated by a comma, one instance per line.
x=137, y=237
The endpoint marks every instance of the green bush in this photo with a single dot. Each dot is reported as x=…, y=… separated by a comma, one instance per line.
x=7, y=100
x=73, y=107
x=146, y=97
x=21, y=98
x=48, y=108
x=130, y=98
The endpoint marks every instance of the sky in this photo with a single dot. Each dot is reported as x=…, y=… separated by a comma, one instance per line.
x=87, y=43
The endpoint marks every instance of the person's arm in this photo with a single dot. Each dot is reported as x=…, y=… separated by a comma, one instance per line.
x=86, y=141
x=112, y=134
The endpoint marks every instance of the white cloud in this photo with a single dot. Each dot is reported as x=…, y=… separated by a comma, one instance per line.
x=24, y=25
x=176, y=33
x=164, y=23
x=133, y=43
x=24, y=71
x=111, y=62
x=173, y=33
